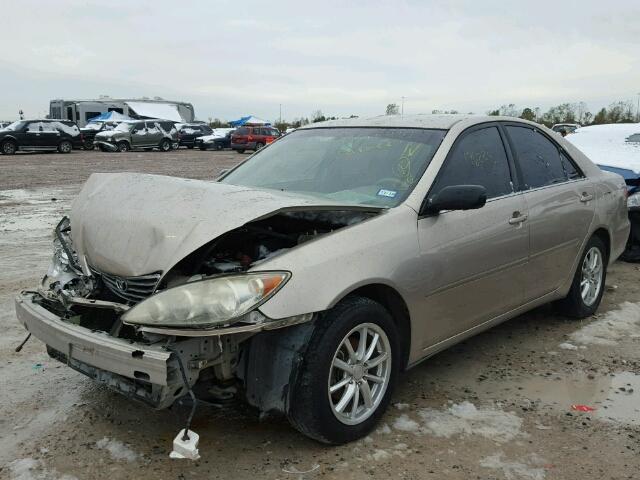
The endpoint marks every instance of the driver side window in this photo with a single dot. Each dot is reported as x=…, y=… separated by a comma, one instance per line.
x=478, y=158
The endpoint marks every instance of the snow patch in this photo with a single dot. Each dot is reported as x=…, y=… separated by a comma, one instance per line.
x=383, y=430
x=466, y=419
x=516, y=470
x=117, y=449
x=613, y=327
x=567, y=346
x=405, y=424
x=401, y=406
x=32, y=469
x=380, y=455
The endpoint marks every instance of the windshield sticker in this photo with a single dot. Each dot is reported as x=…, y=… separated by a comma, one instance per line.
x=387, y=193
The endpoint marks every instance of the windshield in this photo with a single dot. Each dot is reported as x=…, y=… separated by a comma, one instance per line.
x=15, y=126
x=124, y=127
x=93, y=126
x=360, y=166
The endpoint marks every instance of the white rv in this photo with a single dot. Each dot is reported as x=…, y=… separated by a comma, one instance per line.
x=81, y=111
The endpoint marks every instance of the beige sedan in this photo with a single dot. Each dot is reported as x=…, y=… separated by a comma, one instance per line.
x=304, y=280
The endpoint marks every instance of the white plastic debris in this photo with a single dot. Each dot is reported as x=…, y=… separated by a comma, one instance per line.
x=186, y=448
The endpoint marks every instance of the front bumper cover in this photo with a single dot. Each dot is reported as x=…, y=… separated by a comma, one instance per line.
x=145, y=372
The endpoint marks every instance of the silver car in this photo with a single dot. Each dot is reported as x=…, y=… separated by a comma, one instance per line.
x=308, y=277
x=145, y=134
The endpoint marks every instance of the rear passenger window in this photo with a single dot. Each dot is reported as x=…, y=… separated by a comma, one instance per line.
x=479, y=158
x=540, y=160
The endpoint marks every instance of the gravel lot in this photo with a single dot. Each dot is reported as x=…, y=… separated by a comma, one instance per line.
x=496, y=406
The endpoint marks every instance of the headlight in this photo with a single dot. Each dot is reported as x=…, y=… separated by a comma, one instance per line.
x=633, y=200
x=207, y=303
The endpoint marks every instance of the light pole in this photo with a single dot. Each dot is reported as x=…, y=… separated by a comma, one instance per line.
x=402, y=107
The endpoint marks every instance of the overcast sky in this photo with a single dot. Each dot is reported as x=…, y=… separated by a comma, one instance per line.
x=231, y=58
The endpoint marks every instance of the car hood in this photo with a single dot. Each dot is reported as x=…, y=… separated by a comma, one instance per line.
x=131, y=224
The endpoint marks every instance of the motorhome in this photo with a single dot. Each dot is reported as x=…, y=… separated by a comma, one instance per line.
x=81, y=111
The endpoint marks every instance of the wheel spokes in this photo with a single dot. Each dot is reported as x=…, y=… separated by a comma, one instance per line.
x=346, y=398
x=337, y=386
x=366, y=394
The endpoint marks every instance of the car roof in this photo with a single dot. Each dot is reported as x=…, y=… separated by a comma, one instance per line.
x=431, y=121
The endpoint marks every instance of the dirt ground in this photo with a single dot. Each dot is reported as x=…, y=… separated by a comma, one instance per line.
x=498, y=406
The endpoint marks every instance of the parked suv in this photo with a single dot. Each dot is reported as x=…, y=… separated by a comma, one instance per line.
x=40, y=135
x=253, y=138
x=146, y=134
x=188, y=132
x=90, y=130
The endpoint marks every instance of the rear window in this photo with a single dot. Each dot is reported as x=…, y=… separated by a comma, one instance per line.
x=242, y=131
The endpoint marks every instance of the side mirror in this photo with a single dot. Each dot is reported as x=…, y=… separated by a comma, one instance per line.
x=456, y=197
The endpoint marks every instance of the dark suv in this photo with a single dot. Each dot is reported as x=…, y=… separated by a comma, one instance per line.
x=253, y=138
x=188, y=132
x=40, y=135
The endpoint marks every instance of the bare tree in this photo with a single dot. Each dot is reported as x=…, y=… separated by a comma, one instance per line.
x=392, y=109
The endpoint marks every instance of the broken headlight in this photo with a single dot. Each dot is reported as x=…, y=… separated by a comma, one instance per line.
x=206, y=303
x=634, y=200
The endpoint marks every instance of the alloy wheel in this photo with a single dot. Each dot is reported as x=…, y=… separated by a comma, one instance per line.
x=359, y=374
x=591, y=279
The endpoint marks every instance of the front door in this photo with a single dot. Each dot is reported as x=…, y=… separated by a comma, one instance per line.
x=560, y=201
x=473, y=261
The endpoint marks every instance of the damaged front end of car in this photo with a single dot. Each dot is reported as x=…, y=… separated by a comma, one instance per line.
x=134, y=333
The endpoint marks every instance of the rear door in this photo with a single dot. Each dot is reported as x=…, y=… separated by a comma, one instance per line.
x=560, y=200
x=473, y=261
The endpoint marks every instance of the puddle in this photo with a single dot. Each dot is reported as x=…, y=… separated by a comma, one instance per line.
x=616, y=398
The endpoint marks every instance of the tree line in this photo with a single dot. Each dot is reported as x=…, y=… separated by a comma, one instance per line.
x=578, y=112
x=617, y=112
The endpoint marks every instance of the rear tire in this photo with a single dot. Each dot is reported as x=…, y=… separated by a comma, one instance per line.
x=165, y=145
x=259, y=146
x=65, y=146
x=588, y=283
x=327, y=402
x=219, y=147
x=88, y=145
x=9, y=147
x=123, y=146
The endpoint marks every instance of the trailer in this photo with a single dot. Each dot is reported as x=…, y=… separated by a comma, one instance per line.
x=81, y=111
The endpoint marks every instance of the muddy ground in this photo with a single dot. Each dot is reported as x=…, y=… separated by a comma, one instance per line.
x=498, y=406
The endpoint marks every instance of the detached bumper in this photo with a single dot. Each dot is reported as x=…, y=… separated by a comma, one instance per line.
x=105, y=145
x=144, y=372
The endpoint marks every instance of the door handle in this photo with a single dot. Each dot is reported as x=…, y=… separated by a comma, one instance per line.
x=585, y=197
x=517, y=218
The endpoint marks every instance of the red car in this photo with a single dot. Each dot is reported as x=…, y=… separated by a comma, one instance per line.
x=253, y=138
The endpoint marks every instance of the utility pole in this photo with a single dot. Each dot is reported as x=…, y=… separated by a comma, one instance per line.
x=402, y=107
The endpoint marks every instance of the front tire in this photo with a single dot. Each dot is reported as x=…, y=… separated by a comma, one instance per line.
x=123, y=146
x=588, y=283
x=347, y=377
x=259, y=146
x=9, y=147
